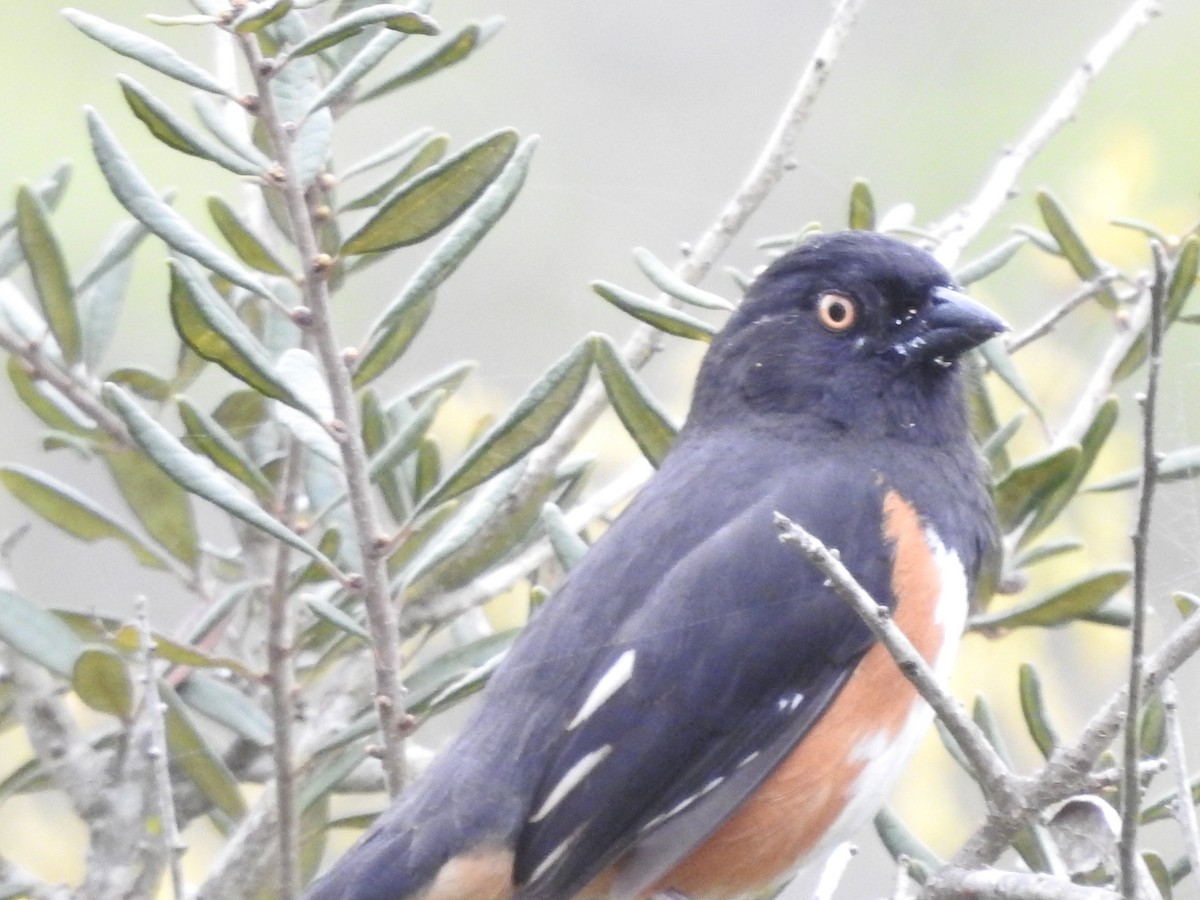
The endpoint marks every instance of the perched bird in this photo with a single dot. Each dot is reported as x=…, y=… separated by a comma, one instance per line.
x=695, y=713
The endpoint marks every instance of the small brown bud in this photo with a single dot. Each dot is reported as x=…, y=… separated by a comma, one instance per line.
x=374, y=751
x=322, y=263
x=301, y=316
x=350, y=356
x=322, y=214
x=354, y=581
x=250, y=104
x=327, y=181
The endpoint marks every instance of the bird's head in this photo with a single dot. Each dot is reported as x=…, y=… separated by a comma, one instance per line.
x=853, y=332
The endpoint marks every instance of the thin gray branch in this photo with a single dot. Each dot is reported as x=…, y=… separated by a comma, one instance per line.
x=999, y=785
x=1047, y=323
x=993, y=884
x=959, y=229
x=1184, y=808
x=346, y=431
x=1132, y=785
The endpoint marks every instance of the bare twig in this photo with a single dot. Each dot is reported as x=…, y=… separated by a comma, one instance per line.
x=1184, y=808
x=959, y=229
x=993, y=884
x=1045, y=325
x=28, y=886
x=346, y=430
x=280, y=663
x=157, y=750
x=997, y=782
x=1132, y=786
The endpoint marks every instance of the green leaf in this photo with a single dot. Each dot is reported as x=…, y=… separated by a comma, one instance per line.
x=395, y=18
x=1090, y=446
x=49, y=191
x=142, y=382
x=1186, y=603
x=197, y=759
x=245, y=243
x=209, y=327
x=1033, y=706
x=901, y=842
x=69, y=510
x=522, y=428
x=158, y=502
x=990, y=262
x=424, y=156
x=37, y=634
x=862, y=207
x=395, y=328
x=149, y=52
x=406, y=439
x=199, y=476
x=436, y=197
x=1025, y=488
x=178, y=134
x=101, y=679
x=1152, y=732
x=1179, y=288
x=448, y=380
x=49, y=271
x=46, y=402
x=226, y=705
x=405, y=145
x=456, y=674
x=212, y=113
x=137, y=196
x=454, y=50
x=128, y=638
x=638, y=411
x=240, y=413
x=569, y=548
x=340, y=620
x=257, y=16
x=294, y=87
x=101, y=302
x=998, y=360
x=1072, y=246
x=994, y=448
x=1159, y=872
x=1059, y=606
x=1179, y=465
x=207, y=436
x=1050, y=550
x=665, y=279
x=662, y=317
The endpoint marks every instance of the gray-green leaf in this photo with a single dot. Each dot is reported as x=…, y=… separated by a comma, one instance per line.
x=662, y=317
x=49, y=270
x=1059, y=606
x=638, y=411
x=101, y=679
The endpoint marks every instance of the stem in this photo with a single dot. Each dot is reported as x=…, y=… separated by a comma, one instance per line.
x=957, y=230
x=1185, y=809
x=280, y=634
x=346, y=430
x=1132, y=786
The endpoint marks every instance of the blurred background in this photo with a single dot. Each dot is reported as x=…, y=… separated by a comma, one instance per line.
x=650, y=115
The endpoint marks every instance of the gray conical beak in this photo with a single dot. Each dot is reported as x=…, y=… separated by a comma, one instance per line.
x=949, y=325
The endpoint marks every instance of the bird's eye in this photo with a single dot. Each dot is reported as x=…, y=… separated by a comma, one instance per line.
x=837, y=312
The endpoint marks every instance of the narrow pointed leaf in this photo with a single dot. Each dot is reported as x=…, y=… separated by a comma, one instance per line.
x=257, y=16
x=1090, y=444
x=49, y=270
x=1033, y=706
x=212, y=113
x=219, y=701
x=436, y=197
x=394, y=330
x=158, y=502
x=664, y=318
x=47, y=402
x=197, y=759
x=206, y=435
x=178, y=134
x=198, y=475
x=525, y=426
x=1073, y=248
x=240, y=413
x=454, y=50
x=1001, y=363
x=209, y=327
x=137, y=196
x=407, y=439
x=356, y=68
x=295, y=87
x=149, y=52
x=457, y=673
x=994, y=448
x=245, y=243
x=665, y=279
x=1047, y=551
x=1186, y=603
x=37, y=634
x=391, y=16
x=638, y=411
x=1152, y=732
x=49, y=191
x=426, y=155
x=101, y=679
x=142, y=382
x=902, y=843
x=338, y=619
x=862, y=207
x=1059, y=606
x=128, y=638
x=67, y=509
x=992, y=261
x=569, y=548
x=1027, y=486
x=1179, y=288
x=102, y=302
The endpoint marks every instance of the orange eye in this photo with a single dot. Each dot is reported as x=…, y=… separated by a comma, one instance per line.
x=837, y=312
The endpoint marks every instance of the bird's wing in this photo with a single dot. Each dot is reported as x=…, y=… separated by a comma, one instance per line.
x=725, y=666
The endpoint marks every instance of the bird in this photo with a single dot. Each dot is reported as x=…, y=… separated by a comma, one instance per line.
x=695, y=713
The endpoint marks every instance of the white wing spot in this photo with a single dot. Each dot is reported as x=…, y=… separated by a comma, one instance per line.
x=571, y=780
x=789, y=704
x=554, y=856
x=749, y=759
x=610, y=682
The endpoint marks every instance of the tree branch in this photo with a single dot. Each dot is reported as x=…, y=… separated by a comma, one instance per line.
x=957, y=230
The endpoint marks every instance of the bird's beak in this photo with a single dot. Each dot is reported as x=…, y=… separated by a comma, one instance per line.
x=950, y=325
